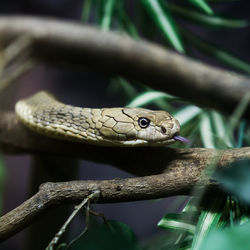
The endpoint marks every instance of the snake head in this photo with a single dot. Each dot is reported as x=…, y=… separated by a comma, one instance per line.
x=156, y=127
x=143, y=127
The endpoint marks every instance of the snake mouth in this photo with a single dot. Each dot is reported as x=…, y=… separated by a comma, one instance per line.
x=181, y=139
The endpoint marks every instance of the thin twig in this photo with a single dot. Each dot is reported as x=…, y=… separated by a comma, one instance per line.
x=16, y=49
x=15, y=60
x=85, y=228
x=17, y=71
x=62, y=230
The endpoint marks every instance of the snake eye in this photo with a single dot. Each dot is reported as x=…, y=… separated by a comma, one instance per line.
x=143, y=122
x=163, y=129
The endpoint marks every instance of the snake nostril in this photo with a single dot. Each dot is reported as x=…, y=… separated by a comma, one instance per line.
x=163, y=129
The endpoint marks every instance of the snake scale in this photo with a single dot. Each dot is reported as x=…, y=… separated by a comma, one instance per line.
x=106, y=126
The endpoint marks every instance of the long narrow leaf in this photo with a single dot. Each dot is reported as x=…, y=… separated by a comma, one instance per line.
x=164, y=22
x=206, y=131
x=217, y=53
x=201, y=18
x=125, y=21
x=86, y=10
x=221, y=129
x=203, y=6
x=147, y=98
x=186, y=114
x=177, y=222
x=241, y=134
x=235, y=118
x=121, y=85
x=107, y=17
x=209, y=220
x=222, y=1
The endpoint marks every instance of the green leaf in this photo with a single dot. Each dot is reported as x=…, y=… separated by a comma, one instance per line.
x=186, y=114
x=209, y=220
x=200, y=18
x=148, y=97
x=206, y=131
x=202, y=5
x=241, y=134
x=179, y=222
x=234, y=238
x=164, y=22
x=107, y=16
x=237, y=114
x=114, y=235
x=216, y=52
x=235, y=179
x=125, y=21
x=221, y=129
x=222, y=1
x=192, y=206
x=86, y=10
x=120, y=84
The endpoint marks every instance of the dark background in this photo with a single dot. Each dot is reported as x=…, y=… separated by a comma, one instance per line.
x=88, y=88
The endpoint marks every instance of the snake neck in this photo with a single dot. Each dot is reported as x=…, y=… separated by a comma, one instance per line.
x=43, y=114
x=106, y=126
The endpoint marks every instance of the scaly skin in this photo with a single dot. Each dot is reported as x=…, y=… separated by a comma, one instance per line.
x=106, y=126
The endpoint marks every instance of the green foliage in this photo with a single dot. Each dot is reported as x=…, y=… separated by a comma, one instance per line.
x=201, y=225
x=236, y=237
x=164, y=22
x=107, y=14
x=147, y=98
x=201, y=220
x=211, y=21
x=235, y=179
x=181, y=222
x=113, y=235
x=155, y=17
x=202, y=5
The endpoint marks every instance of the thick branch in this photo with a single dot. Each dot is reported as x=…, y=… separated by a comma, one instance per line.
x=74, y=44
x=118, y=190
x=15, y=138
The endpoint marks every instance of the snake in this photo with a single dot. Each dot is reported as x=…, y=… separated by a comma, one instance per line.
x=118, y=126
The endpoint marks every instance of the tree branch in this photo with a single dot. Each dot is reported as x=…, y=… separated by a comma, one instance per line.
x=16, y=138
x=59, y=42
x=172, y=171
x=117, y=190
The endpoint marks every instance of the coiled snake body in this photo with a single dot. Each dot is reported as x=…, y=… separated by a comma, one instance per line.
x=106, y=126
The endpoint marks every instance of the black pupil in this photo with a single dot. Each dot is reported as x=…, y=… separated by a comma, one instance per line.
x=144, y=122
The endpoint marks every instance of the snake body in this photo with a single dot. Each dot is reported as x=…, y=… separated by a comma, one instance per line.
x=106, y=126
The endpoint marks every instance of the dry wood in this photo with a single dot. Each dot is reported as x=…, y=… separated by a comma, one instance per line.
x=67, y=43
x=165, y=171
x=16, y=138
x=172, y=172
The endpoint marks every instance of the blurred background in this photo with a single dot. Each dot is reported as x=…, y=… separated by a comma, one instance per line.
x=222, y=42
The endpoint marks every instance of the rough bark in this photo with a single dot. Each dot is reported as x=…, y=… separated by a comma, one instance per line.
x=16, y=138
x=66, y=43
x=166, y=171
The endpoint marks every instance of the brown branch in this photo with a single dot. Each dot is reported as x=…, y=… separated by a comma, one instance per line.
x=117, y=190
x=15, y=138
x=59, y=42
x=172, y=171
x=178, y=171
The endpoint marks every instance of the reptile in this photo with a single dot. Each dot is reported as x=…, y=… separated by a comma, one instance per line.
x=124, y=127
